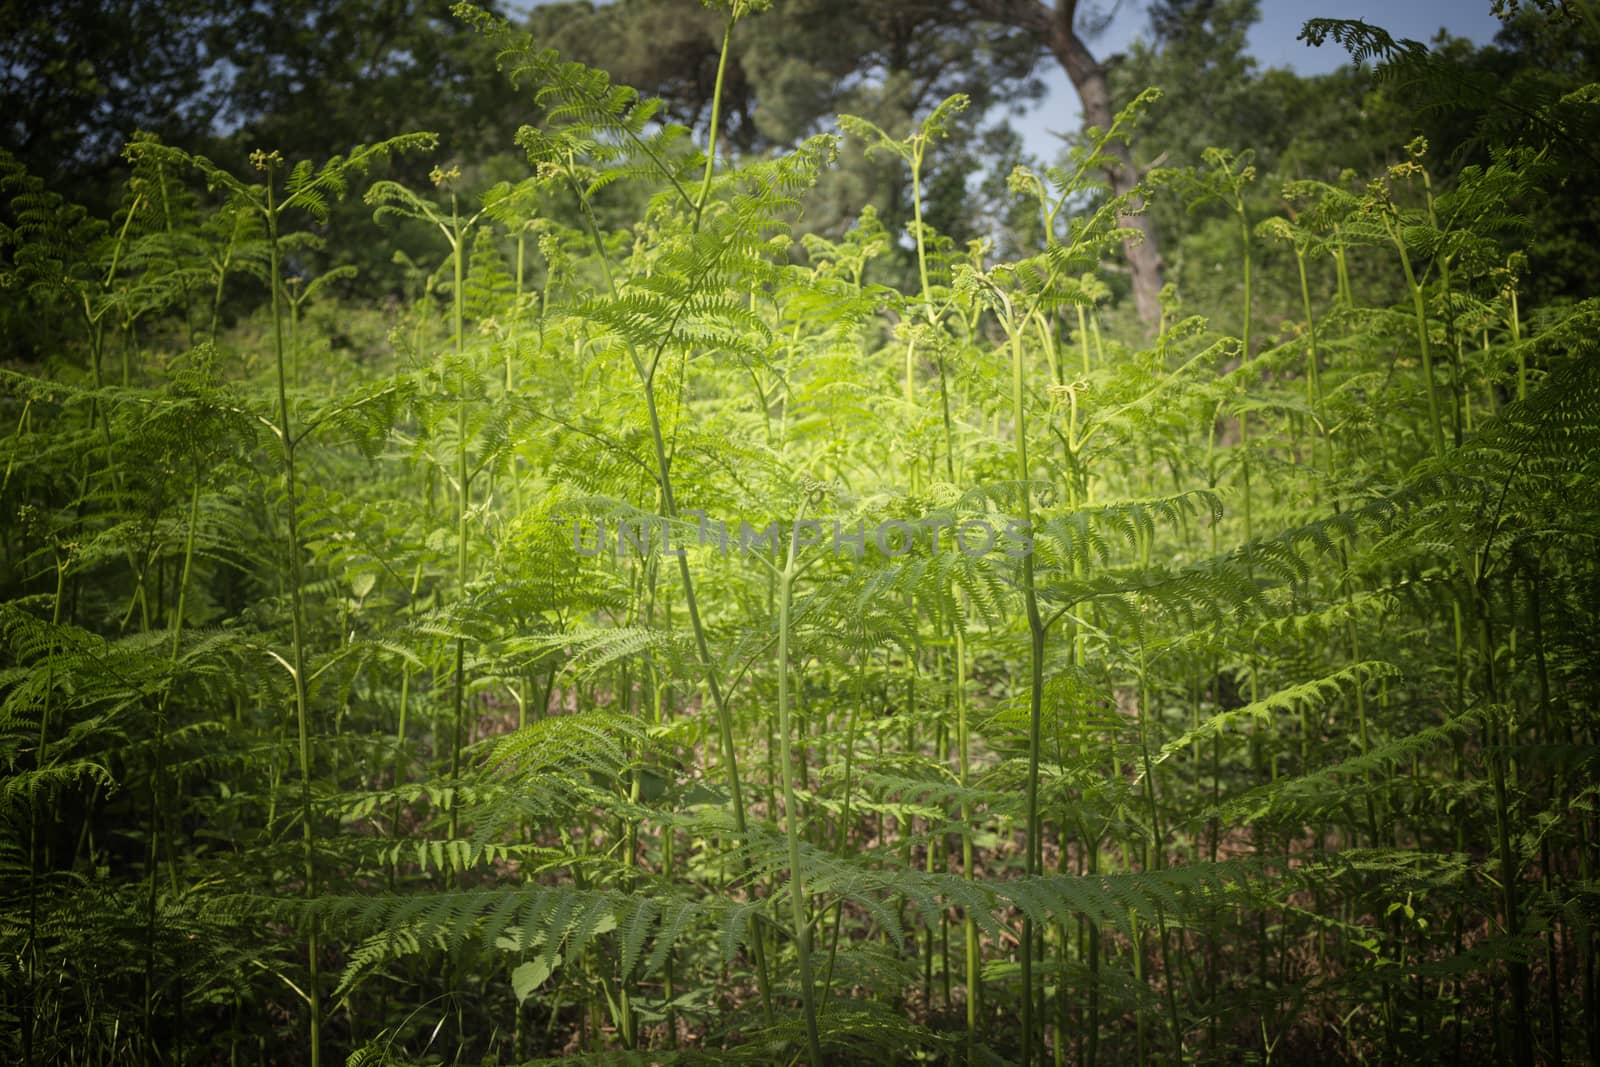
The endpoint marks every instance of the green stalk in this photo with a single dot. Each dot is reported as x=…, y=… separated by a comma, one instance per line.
x=1341, y=270
x=514, y=353
x=669, y=509
x=401, y=763
x=1036, y=635
x=1362, y=736
x=514, y=349
x=1552, y=873
x=630, y=862
x=918, y=145
x=1083, y=338
x=843, y=844
x=716, y=116
x=294, y=332
x=11, y=460
x=943, y=843
x=463, y=500
x=1156, y=853
x=973, y=968
x=929, y=857
x=791, y=813
x=157, y=783
x=1313, y=358
x=1244, y=233
x=183, y=291
x=1522, y=1037
x=1313, y=368
x=730, y=757
x=222, y=266
x=1092, y=1049
x=30, y=1005
x=296, y=625
x=1442, y=261
x=974, y=972
x=1516, y=340
x=1435, y=426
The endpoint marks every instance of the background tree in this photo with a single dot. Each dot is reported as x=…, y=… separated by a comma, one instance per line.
x=308, y=77
x=1215, y=94
x=800, y=64
x=1527, y=89
x=1058, y=28
x=78, y=78
x=794, y=68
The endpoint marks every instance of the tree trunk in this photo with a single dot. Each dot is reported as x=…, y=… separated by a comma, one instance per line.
x=1088, y=77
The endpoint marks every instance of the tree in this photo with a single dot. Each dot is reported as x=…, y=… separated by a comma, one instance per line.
x=313, y=77
x=77, y=78
x=1055, y=26
x=1215, y=95
x=309, y=78
x=794, y=68
x=808, y=59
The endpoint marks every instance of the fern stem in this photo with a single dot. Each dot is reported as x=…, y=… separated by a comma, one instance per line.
x=463, y=502
x=296, y=627
x=1244, y=266
x=1157, y=846
x=1522, y=1037
x=842, y=846
x=974, y=961
x=716, y=116
x=1552, y=874
x=918, y=144
x=1515, y=319
x=1435, y=425
x=792, y=819
x=158, y=768
x=1036, y=635
x=669, y=508
x=41, y=761
x=1341, y=271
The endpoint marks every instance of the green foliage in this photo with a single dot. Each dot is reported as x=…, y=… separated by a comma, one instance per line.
x=673, y=643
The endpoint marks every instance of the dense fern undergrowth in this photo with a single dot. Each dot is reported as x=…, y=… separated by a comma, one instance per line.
x=1224, y=695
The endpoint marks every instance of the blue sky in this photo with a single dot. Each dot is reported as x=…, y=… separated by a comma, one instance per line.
x=1272, y=42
